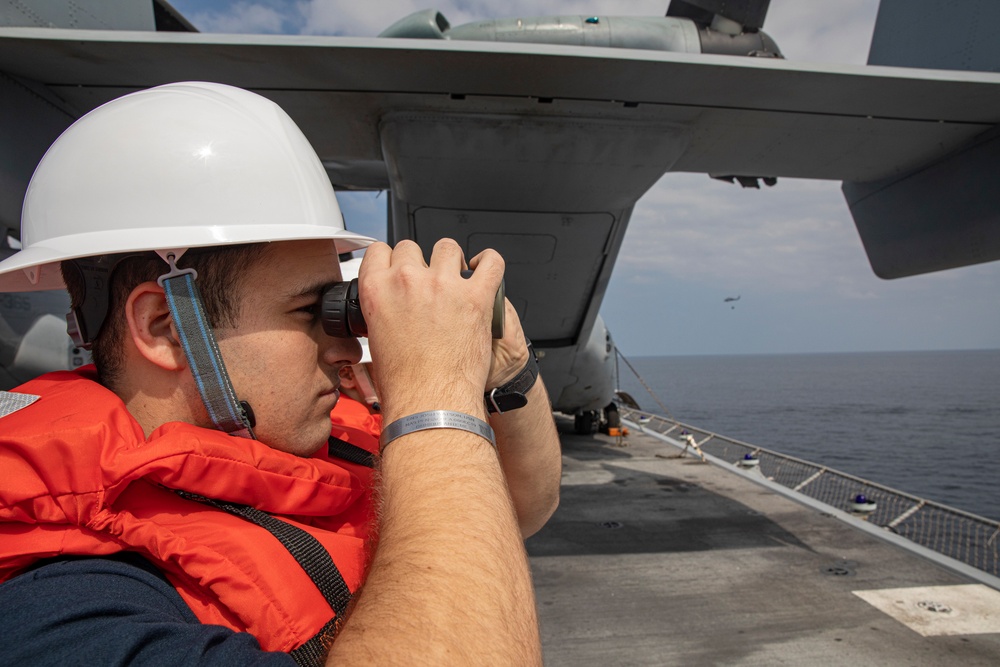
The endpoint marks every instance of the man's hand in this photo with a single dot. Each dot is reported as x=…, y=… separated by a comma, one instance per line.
x=430, y=328
x=510, y=353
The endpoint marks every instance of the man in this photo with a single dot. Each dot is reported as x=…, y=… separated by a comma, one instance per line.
x=167, y=506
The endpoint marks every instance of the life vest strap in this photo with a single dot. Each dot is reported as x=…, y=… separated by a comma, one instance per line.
x=342, y=449
x=313, y=652
x=312, y=557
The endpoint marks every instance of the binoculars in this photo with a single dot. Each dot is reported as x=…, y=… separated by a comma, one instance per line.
x=340, y=310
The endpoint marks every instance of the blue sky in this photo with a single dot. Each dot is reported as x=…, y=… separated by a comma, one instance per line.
x=791, y=252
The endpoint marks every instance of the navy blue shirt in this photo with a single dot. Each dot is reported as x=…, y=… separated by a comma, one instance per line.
x=112, y=611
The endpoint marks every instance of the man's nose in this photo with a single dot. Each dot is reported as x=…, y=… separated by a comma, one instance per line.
x=339, y=350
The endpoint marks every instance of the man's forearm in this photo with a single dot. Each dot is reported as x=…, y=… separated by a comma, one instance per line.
x=449, y=583
x=531, y=458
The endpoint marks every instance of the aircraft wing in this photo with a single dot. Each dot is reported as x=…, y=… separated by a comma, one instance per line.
x=756, y=116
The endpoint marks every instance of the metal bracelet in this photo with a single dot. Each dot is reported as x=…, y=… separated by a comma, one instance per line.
x=422, y=421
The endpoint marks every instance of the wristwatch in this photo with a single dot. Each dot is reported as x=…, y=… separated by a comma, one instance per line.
x=513, y=395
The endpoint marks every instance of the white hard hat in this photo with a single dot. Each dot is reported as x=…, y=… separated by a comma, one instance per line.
x=170, y=168
x=349, y=271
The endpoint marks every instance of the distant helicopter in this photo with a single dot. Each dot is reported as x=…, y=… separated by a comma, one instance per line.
x=730, y=299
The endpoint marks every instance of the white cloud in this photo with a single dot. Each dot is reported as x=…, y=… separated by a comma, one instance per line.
x=244, y=18
x=796, y=236
x=353, y=19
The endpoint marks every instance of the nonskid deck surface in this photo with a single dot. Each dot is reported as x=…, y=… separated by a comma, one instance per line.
x=657, y=560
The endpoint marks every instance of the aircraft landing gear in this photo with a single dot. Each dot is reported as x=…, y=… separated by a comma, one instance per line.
x=611, y=419
x=586, y=422
x=590, y=422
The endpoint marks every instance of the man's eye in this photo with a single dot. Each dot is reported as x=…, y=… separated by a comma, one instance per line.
x=312, y=310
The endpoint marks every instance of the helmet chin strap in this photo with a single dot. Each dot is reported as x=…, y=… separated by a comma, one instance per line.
x=202, y=351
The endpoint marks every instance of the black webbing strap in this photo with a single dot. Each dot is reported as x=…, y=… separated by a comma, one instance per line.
x=313, y=652
x=313, y=558
x=352, y=453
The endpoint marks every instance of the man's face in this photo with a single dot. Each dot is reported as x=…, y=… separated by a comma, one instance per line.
x=278, y=357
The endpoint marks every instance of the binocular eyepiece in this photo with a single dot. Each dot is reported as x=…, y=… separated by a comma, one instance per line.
x=340, y=310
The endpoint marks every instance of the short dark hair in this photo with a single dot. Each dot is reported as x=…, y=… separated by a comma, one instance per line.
x=219, y=271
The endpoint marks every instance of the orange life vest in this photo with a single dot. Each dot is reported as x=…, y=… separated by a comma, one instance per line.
x=80, y=478
x=352, y=422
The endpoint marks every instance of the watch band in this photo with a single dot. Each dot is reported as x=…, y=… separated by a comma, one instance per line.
x=513, y=394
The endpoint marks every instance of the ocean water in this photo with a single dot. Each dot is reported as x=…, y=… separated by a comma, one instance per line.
x=927, y=423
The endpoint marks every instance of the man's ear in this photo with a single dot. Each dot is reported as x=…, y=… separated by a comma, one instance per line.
x=347, y=377
x=151, y=327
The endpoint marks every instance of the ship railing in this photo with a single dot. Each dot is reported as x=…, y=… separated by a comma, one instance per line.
x=963, y=536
